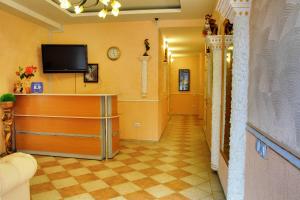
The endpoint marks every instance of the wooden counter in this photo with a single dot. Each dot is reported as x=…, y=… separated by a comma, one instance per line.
x=68, y=125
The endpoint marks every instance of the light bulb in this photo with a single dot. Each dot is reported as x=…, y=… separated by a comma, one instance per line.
x=65, y=4
x=78, y=9
x=172, y=60
x=115, y=12
x=115, y=4
x=102, y=13
x=105, y=2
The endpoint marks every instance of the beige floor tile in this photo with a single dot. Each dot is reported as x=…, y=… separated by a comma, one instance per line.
x=132, y=176
x=126, y=188
x=105, y=173
x=159, y=191
x=65, y=182
x=94, y=185
x=88, y=163
x=66, y=161
x=114, y=164
x=79, y=171
x=168, y=159
x=84, y=196
x=193, y=180
x=39, y=180
x=144, y=158
x=166, y=167
x=139, y=166
x=51, y=170
x=194, y=193
x=118, y=198
x=50, y=195
x=163, y=178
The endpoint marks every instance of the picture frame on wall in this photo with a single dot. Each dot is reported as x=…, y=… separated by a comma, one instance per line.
x=184, y=80
x=92, y=74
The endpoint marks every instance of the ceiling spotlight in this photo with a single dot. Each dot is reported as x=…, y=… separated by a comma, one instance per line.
x=64, y=4
x=102, y=13
x=105, y=2
x=78, y=9
x=115, y=12
x=115, y=4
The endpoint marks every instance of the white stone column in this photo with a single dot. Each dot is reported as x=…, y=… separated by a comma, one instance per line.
x=144, y=75
x=238, y=12
x=215, y=44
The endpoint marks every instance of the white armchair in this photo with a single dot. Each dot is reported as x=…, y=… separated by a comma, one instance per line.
x=15, y=172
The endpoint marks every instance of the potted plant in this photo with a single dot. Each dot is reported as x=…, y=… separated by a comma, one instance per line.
x=7, y=100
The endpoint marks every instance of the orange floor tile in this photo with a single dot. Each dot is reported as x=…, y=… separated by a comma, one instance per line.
x=175, y=168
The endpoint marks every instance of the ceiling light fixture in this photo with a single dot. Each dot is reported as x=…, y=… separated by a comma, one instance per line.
x=80, y=6
x=102, y=13
x=65, y=4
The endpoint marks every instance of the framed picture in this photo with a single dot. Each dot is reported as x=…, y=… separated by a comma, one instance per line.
x=91, y=76
x=184, y=80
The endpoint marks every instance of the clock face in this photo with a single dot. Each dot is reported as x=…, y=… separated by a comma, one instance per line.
x=113, y=53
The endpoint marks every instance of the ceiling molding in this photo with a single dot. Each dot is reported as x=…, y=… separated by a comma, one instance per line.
x=49, y=22
x=124, y=12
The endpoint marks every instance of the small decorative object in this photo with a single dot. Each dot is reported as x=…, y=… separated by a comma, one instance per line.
x=113, y=53
x=210, y=26
x=147, y=47
x=7, y=103
x=228, y=27
x=91, y=76
x=37, y=87
x=25, y=74
x=184, y=80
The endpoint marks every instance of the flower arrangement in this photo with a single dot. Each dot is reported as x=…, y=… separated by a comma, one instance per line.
x=27, y=73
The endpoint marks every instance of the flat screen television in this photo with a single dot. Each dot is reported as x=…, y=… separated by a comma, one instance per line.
x=58, y=58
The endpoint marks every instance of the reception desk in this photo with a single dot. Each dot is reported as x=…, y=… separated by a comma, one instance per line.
x=68, y=125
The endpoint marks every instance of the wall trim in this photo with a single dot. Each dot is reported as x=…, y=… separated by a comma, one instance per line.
x=49, y=22
x=290, y=157
x=138, y=100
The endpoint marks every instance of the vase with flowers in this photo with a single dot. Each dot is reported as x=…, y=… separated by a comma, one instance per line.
x=25, y=74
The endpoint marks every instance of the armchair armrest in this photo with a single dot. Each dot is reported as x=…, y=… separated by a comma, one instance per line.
x=16, y=169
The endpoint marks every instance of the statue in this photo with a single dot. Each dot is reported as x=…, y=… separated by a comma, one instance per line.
x=7, y=120
x=210, y=27
x=147, y=47
x=228, y=27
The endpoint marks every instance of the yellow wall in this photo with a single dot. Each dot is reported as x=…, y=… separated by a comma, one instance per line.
x=20, y=42
x=186, y=103
x=139, y=116
x=163, y=87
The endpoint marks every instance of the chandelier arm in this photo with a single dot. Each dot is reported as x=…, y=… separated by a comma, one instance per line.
x=95, y=4
x=83, y=2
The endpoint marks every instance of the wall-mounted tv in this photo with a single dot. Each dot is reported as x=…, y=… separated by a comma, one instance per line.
x=58, y=58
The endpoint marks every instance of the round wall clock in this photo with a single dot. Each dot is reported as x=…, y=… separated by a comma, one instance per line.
x=113, y=53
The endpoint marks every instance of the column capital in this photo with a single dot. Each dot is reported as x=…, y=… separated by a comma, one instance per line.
x=232, y=8
x=228, y=40
x=214, y=41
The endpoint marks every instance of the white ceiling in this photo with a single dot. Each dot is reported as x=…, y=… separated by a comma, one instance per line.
x=187, y=41
x=132, y=10
x=183, y=41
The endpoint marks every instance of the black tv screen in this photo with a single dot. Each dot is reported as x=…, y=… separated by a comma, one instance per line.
x=59, y=58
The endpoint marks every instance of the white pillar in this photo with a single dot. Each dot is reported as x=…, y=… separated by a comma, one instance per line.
x=238, y=12
x=215, y=44
x=144, y=75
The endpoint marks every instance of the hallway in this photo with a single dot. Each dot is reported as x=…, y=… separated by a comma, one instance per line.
x=177, y=167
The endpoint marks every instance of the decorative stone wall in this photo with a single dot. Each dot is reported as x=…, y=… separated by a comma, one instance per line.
x=238, y=12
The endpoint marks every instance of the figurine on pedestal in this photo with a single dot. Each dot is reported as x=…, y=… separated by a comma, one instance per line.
x=7, y=104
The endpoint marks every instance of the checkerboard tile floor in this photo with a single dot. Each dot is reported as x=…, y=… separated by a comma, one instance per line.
x=175, y=168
